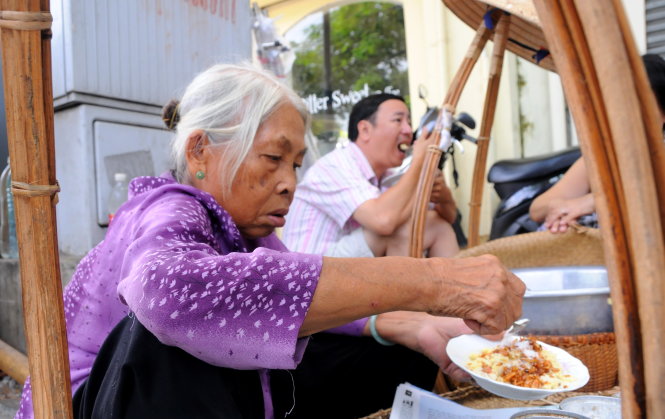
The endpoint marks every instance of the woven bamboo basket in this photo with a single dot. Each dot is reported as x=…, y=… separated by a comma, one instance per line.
x=579, y=246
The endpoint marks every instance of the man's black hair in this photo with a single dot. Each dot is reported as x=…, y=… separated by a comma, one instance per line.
x=655, y=66
x=365, y=110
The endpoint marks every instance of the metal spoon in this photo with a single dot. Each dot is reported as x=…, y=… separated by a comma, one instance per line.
x=517, y=326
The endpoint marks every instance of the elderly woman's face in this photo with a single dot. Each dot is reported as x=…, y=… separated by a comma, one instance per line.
x=263, y=188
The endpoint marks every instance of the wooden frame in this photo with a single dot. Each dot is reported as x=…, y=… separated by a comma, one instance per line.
x=619, y=128
x=26, y=55
x=617, y=119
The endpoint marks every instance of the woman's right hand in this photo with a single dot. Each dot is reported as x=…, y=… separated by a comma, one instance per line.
x=479, y=290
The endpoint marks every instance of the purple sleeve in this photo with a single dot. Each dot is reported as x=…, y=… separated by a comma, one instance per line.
x=355, y=328
x=237, y=310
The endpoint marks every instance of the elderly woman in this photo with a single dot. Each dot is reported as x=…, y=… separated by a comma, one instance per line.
x=191, y=299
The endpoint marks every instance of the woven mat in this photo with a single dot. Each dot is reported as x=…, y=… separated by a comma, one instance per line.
x=477, y=398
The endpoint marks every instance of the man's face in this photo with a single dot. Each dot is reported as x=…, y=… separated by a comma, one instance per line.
x=391, y=127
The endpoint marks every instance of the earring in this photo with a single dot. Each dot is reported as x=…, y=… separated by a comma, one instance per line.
x=200, y=175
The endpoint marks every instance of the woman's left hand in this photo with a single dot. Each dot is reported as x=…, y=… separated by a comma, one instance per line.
x=426, y=334
x=562, y=213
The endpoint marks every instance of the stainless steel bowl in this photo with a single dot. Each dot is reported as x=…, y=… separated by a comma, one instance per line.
x=595, y=407
x=546, y=414
x=566, y=300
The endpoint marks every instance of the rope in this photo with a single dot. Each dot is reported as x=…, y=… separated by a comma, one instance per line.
x=26, y=189
x=25, y=21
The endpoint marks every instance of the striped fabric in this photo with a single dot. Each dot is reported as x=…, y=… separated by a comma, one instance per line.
x=326, y=199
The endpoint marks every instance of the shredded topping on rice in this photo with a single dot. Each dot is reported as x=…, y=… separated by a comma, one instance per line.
x=523, y=363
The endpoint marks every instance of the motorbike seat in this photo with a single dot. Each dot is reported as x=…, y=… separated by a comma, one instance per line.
x=512, y=170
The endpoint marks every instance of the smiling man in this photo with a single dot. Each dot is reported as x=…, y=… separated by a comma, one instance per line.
x=341, y=207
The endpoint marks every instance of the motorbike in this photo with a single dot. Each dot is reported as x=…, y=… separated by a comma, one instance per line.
x=518, y=182
x=457, y=133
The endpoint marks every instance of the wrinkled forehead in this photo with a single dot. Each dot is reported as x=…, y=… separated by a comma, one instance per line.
x=284, y=129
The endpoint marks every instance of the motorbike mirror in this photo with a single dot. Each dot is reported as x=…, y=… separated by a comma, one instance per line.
x=427, y=121
x=466, y=119
x=422, y=92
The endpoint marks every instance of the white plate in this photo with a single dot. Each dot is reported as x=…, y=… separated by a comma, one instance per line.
x=460, y=348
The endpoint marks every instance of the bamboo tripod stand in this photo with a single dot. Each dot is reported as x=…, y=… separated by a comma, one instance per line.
x=615, y=114
x=423, y=191
x=617, y=118
x=618, y=124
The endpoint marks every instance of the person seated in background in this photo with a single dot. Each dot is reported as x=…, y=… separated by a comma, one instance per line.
x=341, y=207
x=570, y=200
x=191, y=302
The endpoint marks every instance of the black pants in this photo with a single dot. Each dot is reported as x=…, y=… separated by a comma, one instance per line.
x=135, y=376
x=347, y=377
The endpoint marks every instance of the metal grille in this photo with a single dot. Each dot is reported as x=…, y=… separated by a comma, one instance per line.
x=655, y=16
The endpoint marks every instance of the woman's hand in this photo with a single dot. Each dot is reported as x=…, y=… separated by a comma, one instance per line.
x=479, y=290
x=426, y=334
x=562, y=213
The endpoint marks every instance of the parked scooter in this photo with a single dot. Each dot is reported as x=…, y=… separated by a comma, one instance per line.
x=518, y=182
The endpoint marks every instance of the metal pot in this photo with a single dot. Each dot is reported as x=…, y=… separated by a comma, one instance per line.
x=546, y=414
x=566, y=300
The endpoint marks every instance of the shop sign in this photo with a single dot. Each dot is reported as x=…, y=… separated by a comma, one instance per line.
x=337, y=99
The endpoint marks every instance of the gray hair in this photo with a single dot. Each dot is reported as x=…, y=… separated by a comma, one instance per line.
x=229, y=103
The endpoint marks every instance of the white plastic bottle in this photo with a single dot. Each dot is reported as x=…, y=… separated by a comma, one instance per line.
x=118, y=194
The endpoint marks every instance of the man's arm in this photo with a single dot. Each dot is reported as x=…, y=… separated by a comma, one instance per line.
x=384, y=214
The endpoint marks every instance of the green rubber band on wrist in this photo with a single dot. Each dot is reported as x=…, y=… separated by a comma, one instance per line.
x=375, y=334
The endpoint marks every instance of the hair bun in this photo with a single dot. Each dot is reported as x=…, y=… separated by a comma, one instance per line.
x=171, y=114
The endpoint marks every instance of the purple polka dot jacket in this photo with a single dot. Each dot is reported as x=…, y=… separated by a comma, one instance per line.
x=173, y=258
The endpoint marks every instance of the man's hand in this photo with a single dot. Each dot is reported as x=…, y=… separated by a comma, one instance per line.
x=420, y=147
x=442, y=197
x=440, y=191
x=479, y=290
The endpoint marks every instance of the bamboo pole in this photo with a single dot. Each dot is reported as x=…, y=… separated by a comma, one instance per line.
x=619, y=137
x=649, y=108
x=489, y=108
x=13, y=362
x=630, y=132
x=29, y=107
x=423, y=195
x=426, y=180
x=468, y=62
x=562, y=26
